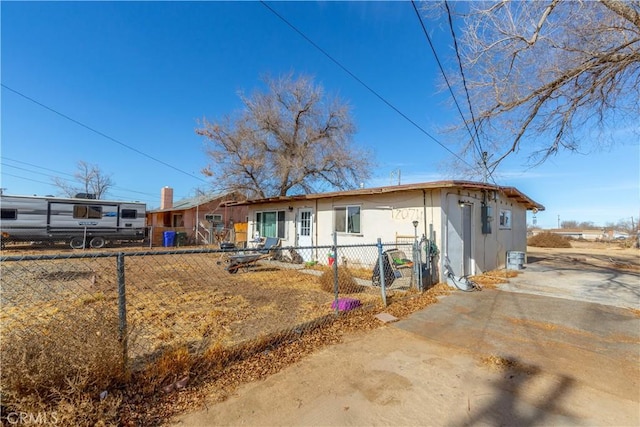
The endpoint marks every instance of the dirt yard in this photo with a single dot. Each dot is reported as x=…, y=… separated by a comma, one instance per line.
x=495, y=357
x=171, y=299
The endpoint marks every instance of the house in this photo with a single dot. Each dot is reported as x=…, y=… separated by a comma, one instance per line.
x=474, y=224
x=204, y=219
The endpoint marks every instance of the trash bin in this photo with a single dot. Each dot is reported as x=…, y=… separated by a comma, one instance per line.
x=181, y=238
x=515, y=260
x=169, y=238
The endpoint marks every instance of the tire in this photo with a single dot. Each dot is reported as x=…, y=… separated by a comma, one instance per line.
x=77, y=243
x=97, y=242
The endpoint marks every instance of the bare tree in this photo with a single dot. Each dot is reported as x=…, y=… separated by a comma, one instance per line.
x=542, y=76
x=89, y=179
x=290, y=139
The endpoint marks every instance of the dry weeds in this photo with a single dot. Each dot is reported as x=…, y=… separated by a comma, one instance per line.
x=491, y=279
x=62, y=370
x=346, y=284
x=548, y=240
x=502, y=364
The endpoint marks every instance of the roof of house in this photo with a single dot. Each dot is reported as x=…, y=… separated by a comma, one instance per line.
x=192, y=202
x=510, y=192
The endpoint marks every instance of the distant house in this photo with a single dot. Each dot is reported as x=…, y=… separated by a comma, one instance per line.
x=474, y=224
x=204, y=219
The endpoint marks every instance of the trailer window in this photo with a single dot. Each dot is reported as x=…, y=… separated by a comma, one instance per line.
x=9, y=214
x=129, y=213
x=85, y=211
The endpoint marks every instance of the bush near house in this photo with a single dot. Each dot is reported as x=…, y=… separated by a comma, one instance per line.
x=548, y=240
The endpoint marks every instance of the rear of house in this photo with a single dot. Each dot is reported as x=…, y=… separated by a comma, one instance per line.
x=473, y=224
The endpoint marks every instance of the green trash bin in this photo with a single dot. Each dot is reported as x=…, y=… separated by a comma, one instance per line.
x=181, y=238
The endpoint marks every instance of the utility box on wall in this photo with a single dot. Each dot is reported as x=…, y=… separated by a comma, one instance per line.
x=486, y=214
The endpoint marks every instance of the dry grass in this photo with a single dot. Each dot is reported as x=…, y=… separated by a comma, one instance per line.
x=346, y=284
x=61, y=370
x=548, y=240
x=499, y=363
x=490, y=279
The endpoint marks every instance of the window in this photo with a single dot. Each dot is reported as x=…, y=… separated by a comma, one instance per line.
x=213, y=218
x=9, y=214
x=505, y=218
x=87, y=211
x=270, y=224
x=129, y=213
x=347, y=219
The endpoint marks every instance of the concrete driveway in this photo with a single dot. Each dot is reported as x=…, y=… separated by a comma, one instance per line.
x=578, y=277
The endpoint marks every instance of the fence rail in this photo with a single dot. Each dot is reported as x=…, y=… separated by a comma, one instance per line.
x=150, y=301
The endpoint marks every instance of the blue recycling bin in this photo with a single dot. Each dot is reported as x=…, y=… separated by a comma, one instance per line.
x=169, y=238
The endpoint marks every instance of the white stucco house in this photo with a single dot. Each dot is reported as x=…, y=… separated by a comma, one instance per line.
x=474, y=224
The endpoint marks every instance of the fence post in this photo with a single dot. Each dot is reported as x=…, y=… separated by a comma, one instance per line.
x=336, y=288
x=122, y=311
x=382, y=272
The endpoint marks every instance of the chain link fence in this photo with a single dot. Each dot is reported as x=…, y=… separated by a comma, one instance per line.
x=137, y=305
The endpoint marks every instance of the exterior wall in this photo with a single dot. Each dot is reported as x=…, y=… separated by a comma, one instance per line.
x=164, y=220
x=383, y=216
x=487, y=251
x=439, y=215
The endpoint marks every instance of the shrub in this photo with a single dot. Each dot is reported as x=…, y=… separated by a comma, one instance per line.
x=346, y=283
x=548, y=240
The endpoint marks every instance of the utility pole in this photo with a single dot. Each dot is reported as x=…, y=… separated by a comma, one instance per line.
x=485, y=170
x=558, y=222
x=393, y=173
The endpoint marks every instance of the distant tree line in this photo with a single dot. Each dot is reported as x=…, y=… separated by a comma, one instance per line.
x=627, y=225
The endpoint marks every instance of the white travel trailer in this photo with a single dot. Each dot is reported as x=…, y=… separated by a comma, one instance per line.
x=80, y=222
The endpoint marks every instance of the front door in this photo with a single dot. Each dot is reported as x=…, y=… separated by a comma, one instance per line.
x=305, y=232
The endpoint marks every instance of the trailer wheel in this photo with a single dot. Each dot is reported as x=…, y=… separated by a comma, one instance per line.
x=77, y=243
x=97, y=242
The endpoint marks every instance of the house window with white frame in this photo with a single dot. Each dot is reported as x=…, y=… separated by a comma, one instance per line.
x=270, y=224
x=347, y=219
x=505, y=218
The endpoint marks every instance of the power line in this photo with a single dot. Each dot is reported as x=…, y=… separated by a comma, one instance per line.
x=464, y=79
x=27, y=179
x=63, y=173
x=435, y=55
x=380, y=97
x=466, y=91
x=101, y=133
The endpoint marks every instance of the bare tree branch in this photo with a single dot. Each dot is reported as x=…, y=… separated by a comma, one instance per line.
x=289, y=139
x=543, y=75
x=89, y=179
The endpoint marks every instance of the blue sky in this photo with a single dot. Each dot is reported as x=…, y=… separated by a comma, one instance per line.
x=144, y=73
